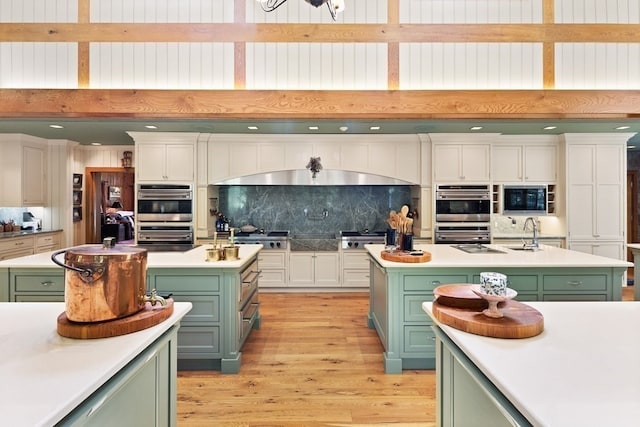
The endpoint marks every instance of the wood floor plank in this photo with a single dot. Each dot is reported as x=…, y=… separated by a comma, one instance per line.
x=313, y=363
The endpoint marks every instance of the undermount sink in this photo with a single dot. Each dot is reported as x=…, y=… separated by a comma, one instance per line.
x=473, y=248
x=522, y=248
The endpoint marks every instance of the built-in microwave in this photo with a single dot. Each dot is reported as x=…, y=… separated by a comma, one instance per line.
x=164, y=203
x=530, y=200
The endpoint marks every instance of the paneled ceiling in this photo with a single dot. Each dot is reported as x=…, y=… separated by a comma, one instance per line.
x=113, y=132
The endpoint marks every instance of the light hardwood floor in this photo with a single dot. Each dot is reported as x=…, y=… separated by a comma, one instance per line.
x=313, y=363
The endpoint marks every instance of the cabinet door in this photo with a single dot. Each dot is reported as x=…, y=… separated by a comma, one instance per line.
x=476, y=162
x=540, y=163
x=150, y=162
x=613, y=250
x=301, y=269
x=610, y=196
x=327, y=272
x=180, y=162
x=447, y=163
x=506, y=163
x=34, y=169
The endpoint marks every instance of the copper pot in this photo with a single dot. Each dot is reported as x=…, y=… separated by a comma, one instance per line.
x=103, y=282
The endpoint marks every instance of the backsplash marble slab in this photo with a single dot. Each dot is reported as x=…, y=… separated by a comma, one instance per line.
x=312, y=209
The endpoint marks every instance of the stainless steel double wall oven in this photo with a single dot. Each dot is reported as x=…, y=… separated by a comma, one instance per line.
x=165, y=216
x=463, y=214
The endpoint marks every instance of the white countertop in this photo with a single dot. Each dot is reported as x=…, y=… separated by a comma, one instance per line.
x=582, y=370
x=193, y=258
x=549, y=256
x=45, y=376
x=634, y=246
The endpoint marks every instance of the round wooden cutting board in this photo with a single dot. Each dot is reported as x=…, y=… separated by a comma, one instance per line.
x=146, y=318
x=419, y=256
x=458, y=307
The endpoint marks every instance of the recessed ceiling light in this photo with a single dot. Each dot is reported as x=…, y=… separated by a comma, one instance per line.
x=476, y=128
x=56, y=126
x=96, y=143
x=252, y=127
x=630, y=147
x=344, y=128
x=374, y=128
x=550, y=127
x=622, y=127
x=313, y=128
x=151, y=126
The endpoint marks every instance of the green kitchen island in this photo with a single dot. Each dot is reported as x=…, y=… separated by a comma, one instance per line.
x=397, y=290
x=224, y=296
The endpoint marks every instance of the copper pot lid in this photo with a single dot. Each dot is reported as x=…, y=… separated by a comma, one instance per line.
x=108, y=247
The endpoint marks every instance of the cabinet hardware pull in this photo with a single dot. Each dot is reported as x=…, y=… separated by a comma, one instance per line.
x=575, y=282
x=47, y=283
x=435, y=282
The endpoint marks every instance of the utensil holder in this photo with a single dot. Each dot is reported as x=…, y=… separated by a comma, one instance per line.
x=405, y=242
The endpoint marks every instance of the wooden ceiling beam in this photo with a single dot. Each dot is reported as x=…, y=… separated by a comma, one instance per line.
x=317, y=104
x=330, y=33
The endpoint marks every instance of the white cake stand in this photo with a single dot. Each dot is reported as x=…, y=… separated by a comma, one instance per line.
x=493, y=300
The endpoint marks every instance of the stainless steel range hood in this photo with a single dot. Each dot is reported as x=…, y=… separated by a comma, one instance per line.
x=324, y=177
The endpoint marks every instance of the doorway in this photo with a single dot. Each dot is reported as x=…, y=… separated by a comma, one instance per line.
x=108, y=190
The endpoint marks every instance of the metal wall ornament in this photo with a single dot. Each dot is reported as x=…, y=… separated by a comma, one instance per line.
x=314, y=166
x=335, y=6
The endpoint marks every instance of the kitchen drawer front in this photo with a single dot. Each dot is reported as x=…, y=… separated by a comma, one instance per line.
x=17, y=243
x=574, y=297
x=355, y=260
x=577, y=283
x=526, y=297
x=59, y=297
x=52, y=239
x=422, y=283
x=272, y=259
x=198, y=341
x=355, y=278
x=518, y=282
x=184, y=283
x=17, y=253
x=420, y=339
x=413, y=308
x=273, y=278
x=37, y=282
x=205, y=308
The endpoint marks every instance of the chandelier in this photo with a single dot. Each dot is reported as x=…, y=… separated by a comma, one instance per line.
x=334, y=6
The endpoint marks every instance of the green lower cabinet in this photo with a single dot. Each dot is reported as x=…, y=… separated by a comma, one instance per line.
x=397, y=293
x=212, y=333
x=33, y=284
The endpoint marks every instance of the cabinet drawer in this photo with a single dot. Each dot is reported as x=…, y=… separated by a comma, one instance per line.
x=422, y=283
x=58, y=297
x=520, y=283
x=16, y=243
x=185, y=283
x=17, y=253
x=420, y=339
x=198, y=341
x=205, y=308
x=273, y=278
x=38, y=282
x=272, y=259
x=355, y=260
x=574, y=297
x=571, y=282
x=413, y=308
x=355, y=278
x=48, y=240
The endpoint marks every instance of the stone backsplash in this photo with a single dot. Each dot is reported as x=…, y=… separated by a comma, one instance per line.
x=312, y=209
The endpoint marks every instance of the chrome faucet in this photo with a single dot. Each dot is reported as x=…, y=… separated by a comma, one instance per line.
x=533, y=245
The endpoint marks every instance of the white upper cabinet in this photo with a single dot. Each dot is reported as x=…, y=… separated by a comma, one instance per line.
x=528, y=161
x=461, y=163
x=23, y=171
x=165, y=156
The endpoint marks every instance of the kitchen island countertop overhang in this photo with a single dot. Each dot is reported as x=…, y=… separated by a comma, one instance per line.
x=46, y=376
x=577, y=372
